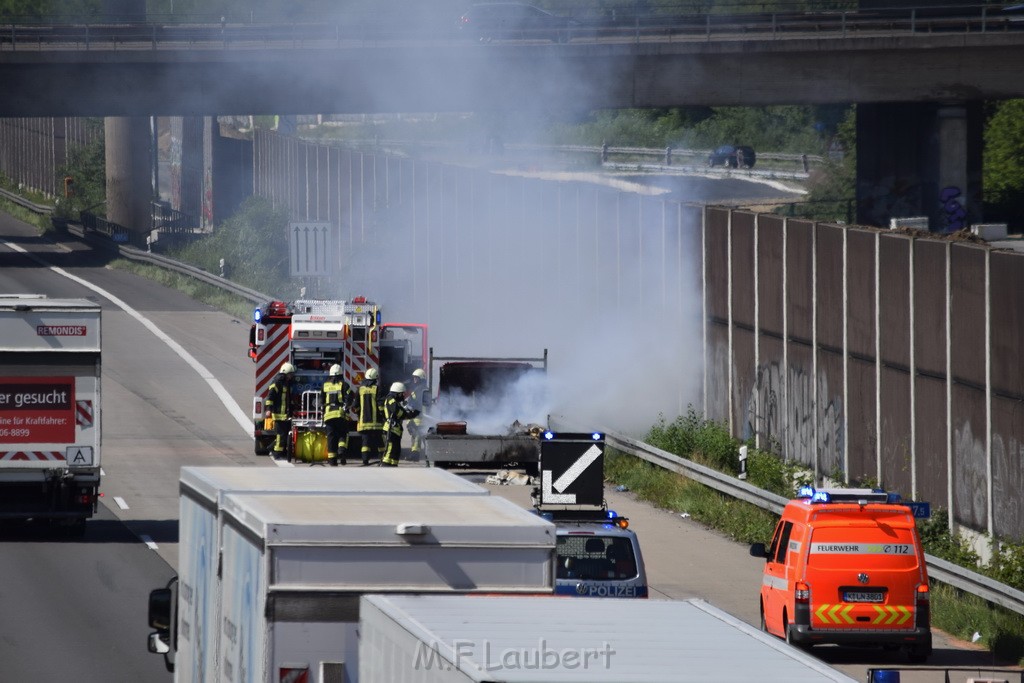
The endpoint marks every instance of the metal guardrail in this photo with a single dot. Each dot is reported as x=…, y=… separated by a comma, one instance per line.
x=938, y=569
x=135, y=254
x=21, y=201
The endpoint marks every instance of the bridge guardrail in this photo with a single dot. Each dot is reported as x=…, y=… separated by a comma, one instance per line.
x=599, y=151
x=245, y=33
x=939, y=569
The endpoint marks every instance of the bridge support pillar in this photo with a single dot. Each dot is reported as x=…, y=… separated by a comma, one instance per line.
x=129, y=171
x=920, y=160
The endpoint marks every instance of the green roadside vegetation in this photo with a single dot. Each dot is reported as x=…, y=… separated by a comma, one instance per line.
x=709, y=443
x=191, y=287
x=249, y=244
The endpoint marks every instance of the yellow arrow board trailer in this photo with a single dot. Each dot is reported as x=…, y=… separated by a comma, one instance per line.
x=49, y=409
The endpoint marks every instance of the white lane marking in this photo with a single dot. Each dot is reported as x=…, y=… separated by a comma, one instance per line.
x=218, y=388
x=120, y=502
x=150, y=543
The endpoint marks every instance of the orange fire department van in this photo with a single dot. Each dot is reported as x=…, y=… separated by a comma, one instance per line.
x=846, y=567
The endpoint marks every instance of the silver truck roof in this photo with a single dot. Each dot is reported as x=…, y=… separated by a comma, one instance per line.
x=650, y=641
x=211, y=483
x=386, y=519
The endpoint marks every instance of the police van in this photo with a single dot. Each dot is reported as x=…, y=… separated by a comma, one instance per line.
x=846, y=567
x=599, y=558
x=598, y=554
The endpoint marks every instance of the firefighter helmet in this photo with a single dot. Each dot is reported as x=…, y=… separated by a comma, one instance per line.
x=287, y=369
x=335, y=370
x=397, y=388
x=371, y=373
x=419, y=373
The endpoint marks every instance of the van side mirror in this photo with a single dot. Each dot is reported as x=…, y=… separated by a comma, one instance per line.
x=160, y=609
x=163, y=618
x=758, y=550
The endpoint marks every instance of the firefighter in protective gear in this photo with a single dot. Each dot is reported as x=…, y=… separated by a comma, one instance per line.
x=417, y=389
x=371, y=421
x=279, y=406
x=336, y=397
x=395, y=411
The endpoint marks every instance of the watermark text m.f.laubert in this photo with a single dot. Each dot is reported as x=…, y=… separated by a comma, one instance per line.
x=483, y=654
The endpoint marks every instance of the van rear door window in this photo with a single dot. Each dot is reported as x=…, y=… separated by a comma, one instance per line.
x=608, y=558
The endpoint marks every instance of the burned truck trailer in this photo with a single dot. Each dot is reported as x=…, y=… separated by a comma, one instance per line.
x=486, y=411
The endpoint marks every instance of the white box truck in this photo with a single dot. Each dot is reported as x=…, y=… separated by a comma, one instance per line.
x=49, y=409
x=294, y=568
x=455, y=639
x=202, y=492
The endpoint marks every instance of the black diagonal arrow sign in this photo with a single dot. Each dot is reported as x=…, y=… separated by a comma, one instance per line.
x=572, y=471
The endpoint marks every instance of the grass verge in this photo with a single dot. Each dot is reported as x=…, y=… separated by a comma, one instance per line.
x=200, y=291
x=24, y=215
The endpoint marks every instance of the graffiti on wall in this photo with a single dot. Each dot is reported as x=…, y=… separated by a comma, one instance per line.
x=953, y=212
x=969, y=477
x=784, y=417
x=1007, y=483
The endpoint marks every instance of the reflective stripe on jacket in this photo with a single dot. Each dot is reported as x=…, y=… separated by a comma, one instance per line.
x=334, y=397
x=369, y=408
x=394, y=412
x=279, y=397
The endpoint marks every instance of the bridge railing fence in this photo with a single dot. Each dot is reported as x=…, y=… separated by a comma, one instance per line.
x=665, y=22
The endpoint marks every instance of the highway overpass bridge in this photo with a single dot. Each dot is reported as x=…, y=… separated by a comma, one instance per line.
x=921, y=84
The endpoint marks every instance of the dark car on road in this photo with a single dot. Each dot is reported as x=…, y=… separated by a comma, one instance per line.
x=733, y=156
x=513, y=21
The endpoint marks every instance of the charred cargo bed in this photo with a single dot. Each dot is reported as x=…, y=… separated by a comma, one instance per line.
x=487, y=410
x=452, y=449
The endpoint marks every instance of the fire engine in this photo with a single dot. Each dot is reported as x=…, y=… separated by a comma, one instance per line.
x=313, y=335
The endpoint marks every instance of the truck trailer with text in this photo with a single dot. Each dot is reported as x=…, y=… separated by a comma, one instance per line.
x=455, y=639
x=49, y=409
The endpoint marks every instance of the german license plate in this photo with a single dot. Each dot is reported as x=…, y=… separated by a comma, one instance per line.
x=862, y=596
